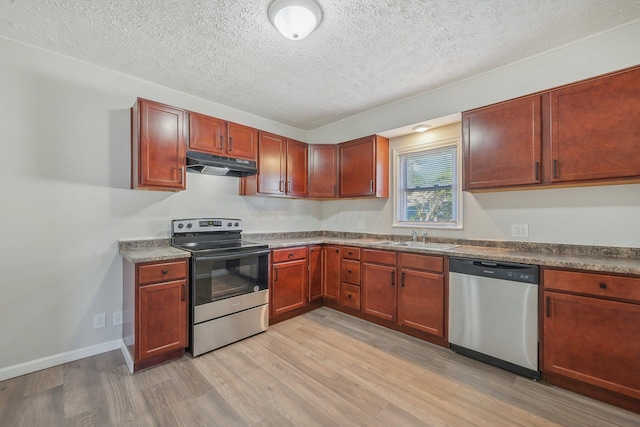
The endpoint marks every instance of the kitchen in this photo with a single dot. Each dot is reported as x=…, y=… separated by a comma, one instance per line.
x=67, y=196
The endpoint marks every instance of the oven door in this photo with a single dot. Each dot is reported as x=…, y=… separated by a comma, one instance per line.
x=228, y=283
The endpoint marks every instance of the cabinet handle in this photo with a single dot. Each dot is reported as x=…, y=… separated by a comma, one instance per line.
x=348, y=295
x=291, y=255
x=393, y=278
x=288, y=186
x=555, y=168
x=337, y=251
x=221, y=143
x=183, y=292
x=402, y=280
x=230, y=144
x=349, y=271
x=276, y=279
x=370, y=186
x=603, y=286
x=537, y=171
x=180, y=174
x=548, y=306
x=165, y=272
x=281, y=186
x=335, y=189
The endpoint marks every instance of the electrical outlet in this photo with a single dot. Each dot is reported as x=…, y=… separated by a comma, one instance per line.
x=117, y=318
x=99, y=321
x=519, y=230
x=361, y=224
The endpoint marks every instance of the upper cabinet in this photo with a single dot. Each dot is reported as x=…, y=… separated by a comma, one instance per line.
x=323, y=171
x=215, y=136
x=282, y=168
x=511, y=131
x=585, y=133
x=595, y=129
x=364, y=167
x=157, y=146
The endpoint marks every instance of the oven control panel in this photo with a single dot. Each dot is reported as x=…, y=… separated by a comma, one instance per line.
x=202, y=225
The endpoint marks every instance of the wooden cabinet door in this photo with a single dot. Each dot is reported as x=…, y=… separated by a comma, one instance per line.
x=421, y=301
x=364, y=167
x=242, y=141
x=502, y=144
x=162, y=318
x=289, y=286
x=595, y=129
x=323, y=170
x=207, y=134
x=593, y=340
x=158, y=146
x=315, y=273
x=331, y=271
x=271, y=164
x=297, y=167
x=379, y=291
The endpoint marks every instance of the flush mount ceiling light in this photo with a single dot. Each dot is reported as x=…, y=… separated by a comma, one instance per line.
x=295, y=19
x=421, y=128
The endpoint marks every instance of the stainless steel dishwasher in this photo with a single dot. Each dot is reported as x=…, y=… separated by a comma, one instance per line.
x=493, y=313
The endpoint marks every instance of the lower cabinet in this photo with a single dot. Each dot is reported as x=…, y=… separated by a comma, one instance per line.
x=155, y=305
x=315, y=273
x=289, y=280
x=421, y=295
x=331, y=270
x=407, y=289
x=606, y=309
x=379, y=284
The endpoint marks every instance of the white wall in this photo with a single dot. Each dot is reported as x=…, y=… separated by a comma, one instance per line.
x=66, y=202
x=604, y=215
x=66, y=199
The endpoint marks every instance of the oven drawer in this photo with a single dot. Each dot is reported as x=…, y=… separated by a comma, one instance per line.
x=162, y=272
x=225, y=330
x=289, y=254
x=226, y=306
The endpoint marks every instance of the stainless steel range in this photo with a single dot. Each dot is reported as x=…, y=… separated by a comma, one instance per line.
x=228, y=280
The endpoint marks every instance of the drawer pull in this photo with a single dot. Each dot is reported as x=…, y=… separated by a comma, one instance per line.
x=350, y=253
x=603, y=286
x=165, y=272
x=348, y=295
x=349, y=271
x=291, y=255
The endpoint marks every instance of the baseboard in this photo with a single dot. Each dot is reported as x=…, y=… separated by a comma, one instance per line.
x=127, y=357
x=57, y=359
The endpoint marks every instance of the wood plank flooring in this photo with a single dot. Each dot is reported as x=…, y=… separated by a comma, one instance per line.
x=320, y=369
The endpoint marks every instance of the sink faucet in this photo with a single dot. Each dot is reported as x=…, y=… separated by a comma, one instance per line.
x=414, y=236
x=424, y=237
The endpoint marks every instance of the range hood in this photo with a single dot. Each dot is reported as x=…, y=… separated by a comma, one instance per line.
x=211, y=164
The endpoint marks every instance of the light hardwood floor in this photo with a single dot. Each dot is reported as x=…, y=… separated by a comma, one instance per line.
x=320, y=369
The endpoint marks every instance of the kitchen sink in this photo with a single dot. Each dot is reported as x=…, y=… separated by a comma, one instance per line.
x=421, y=245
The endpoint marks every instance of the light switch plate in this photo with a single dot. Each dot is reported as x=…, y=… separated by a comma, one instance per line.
x=519, y=230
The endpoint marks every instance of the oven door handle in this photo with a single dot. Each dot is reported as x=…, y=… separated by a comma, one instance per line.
x=235, y=255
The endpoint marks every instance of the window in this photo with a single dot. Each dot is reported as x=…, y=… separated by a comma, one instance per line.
x=428, y=190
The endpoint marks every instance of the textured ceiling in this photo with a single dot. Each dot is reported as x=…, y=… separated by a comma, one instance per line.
x=363, y=55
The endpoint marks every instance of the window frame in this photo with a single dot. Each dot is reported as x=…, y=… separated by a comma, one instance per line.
x=457, y=185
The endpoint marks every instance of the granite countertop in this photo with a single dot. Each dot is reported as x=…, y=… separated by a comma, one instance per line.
x=590, y=258
x=593, y=261
x=149, y=250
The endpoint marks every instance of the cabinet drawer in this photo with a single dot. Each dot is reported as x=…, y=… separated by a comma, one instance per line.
x=289, y=254
x=162, y=272
x=350, y=296
x=421, y=262
x=379, y=257
x=350, y=271
x=601, y=285
x=350, y=253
